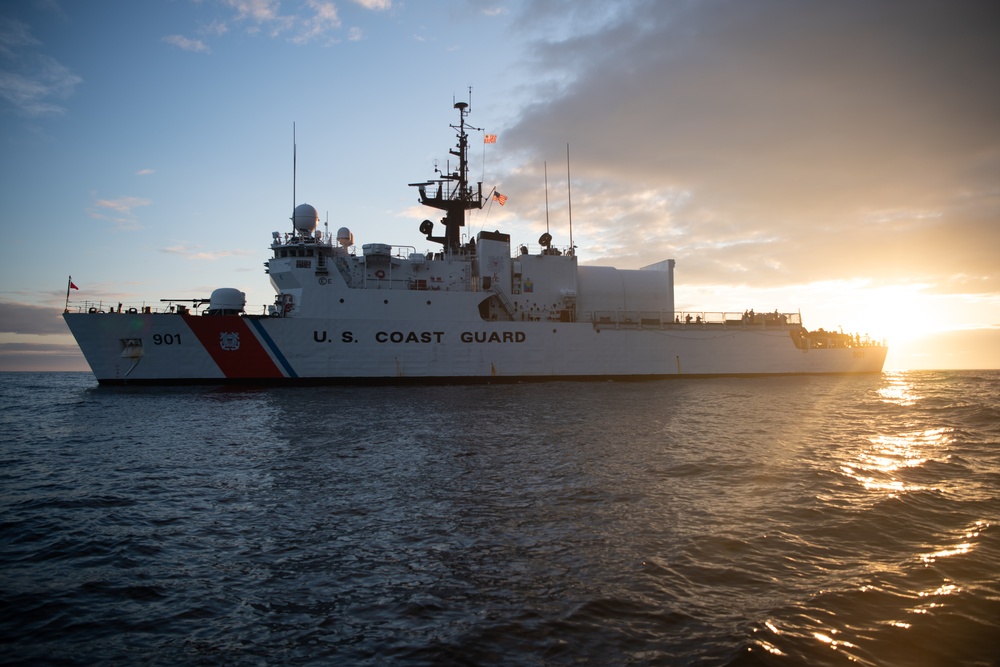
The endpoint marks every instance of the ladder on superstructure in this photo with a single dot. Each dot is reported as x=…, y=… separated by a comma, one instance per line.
x=504, y=301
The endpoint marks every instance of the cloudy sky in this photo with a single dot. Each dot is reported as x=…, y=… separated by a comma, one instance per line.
x=838, y=158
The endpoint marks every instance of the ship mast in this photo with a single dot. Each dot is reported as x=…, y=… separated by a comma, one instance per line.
x=452, y=193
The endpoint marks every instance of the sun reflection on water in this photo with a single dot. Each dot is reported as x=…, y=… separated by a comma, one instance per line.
x=944, y=553
x=898, y=390
x=932, y=598
x=907, y=470
x=766, y=645
x=831, y=641
x=877, y=468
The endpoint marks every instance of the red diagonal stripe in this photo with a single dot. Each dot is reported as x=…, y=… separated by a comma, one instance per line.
x=250, y=360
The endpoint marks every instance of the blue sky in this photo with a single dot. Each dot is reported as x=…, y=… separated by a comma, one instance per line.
x=838, y=158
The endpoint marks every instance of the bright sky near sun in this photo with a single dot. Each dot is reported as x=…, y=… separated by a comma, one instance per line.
x=837, y=158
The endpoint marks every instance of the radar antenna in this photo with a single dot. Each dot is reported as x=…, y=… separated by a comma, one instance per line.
x=451, y=192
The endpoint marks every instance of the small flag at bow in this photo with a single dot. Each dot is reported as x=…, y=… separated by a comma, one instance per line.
x=72, y=286
x=490, y=139
x=500, y=198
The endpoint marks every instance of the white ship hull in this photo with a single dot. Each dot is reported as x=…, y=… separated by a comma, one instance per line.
x=164, y=348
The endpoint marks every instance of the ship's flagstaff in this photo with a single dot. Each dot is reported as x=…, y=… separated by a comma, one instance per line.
x=69, y=286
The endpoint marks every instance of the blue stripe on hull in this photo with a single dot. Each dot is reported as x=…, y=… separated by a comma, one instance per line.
x=273, y=347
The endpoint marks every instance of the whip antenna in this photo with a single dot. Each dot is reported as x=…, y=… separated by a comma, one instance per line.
x=294, y=165
x=545, y=171
x=569, y=199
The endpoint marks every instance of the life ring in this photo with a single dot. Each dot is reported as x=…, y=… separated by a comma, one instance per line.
x=380, y=274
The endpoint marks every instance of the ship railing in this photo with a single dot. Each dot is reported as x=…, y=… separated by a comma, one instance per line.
x=820, y=339
x=316, y=237
x=382, y=262
x=643, y=319
x=446, y=190
x=535, y=249
x=142, y=308
x=745, y=320
x=115, y=307
x=630, y=319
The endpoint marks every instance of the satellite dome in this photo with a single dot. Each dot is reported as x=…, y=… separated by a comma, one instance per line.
x=345, y=237
x=305, y=218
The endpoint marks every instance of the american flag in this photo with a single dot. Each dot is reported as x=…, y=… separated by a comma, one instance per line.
x=490, y=139
x=500, y=198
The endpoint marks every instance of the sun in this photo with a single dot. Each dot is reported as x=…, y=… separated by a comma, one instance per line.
x=900, y=314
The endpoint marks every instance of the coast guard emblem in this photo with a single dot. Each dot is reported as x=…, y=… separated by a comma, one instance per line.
x=229, y=340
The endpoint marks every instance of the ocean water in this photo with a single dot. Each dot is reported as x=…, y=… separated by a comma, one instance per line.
x=782, y=521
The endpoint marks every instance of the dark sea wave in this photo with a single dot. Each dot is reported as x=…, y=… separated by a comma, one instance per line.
x=784, y=521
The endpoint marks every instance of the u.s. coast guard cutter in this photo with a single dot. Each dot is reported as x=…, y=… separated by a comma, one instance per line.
x=469, y=311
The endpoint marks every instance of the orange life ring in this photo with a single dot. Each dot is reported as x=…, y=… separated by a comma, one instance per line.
x=380, y=274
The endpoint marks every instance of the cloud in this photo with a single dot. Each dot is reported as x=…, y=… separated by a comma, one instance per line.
x=144, y=172
x=377, y=5
x=123, y=205
x=19, y=318
x=186, y=44
x=810, y=141
x=324, y=18
x=14, y=36
x=262, y=14
x=301, y=22
x=31, y=83
x=261, y=11
x=306, y=21
x=191, y=252
x=176, y=249
x=215, y=28
x=120, y=211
